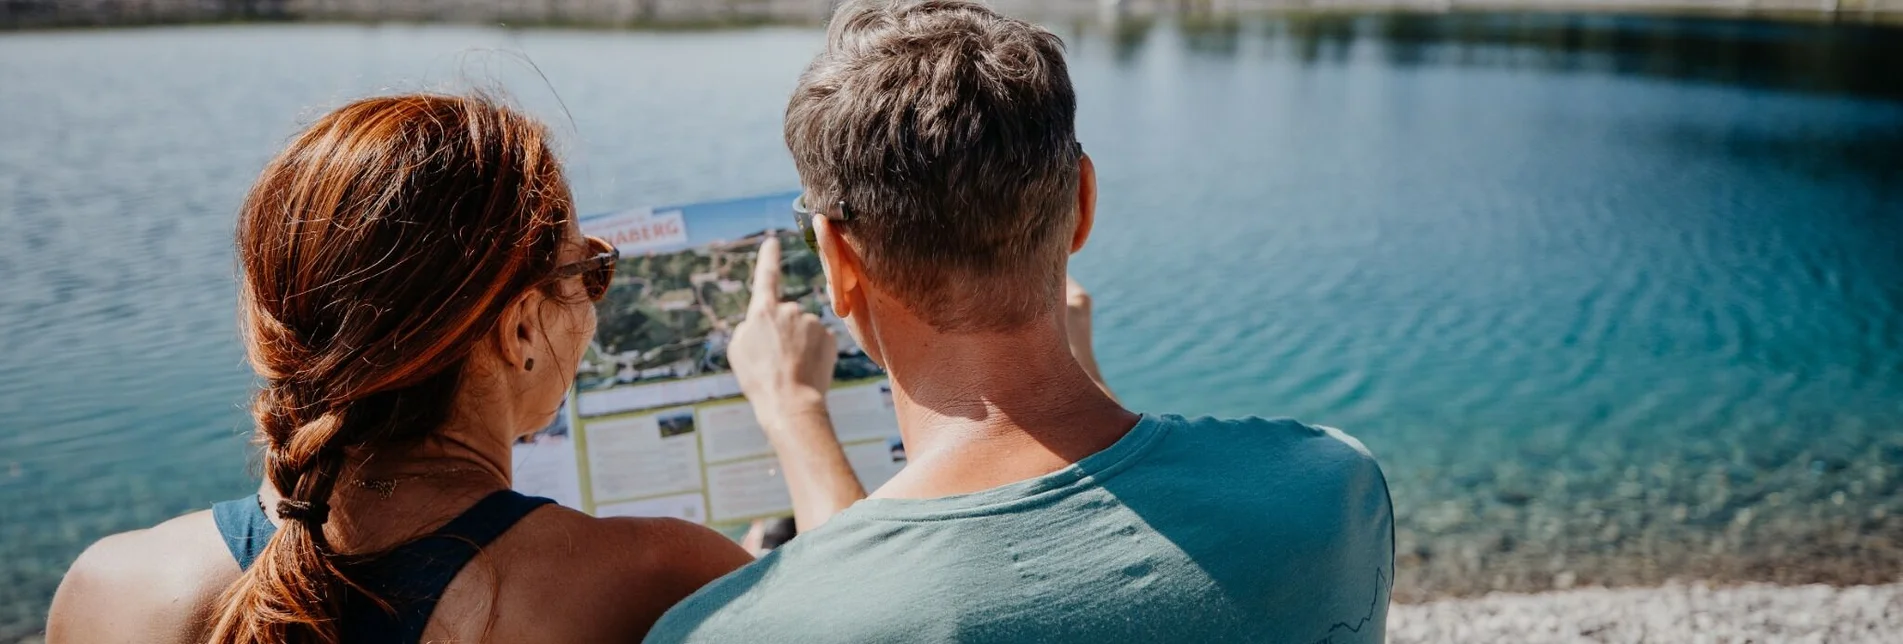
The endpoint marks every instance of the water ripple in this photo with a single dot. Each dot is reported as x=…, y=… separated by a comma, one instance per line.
x=1512, y=282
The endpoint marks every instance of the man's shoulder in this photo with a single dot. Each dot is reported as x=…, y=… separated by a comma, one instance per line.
x=853, y=579
x=1253, y=438
x=1314, y=490
x=1270, y=470
x=709, y=611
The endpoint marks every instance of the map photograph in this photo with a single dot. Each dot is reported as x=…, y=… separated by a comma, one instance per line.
x=668, y=314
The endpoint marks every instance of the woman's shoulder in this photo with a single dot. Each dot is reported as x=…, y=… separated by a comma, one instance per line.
x=652, y=553
x=628, y=540
x=134, y=584
x=608, y=577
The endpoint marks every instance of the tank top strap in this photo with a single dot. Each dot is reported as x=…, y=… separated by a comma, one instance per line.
x=412, y=578
x=491, y=517
x=244, y=527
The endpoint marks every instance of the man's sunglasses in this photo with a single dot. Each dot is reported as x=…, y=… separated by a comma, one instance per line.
x=597, y=270
x=803, y=218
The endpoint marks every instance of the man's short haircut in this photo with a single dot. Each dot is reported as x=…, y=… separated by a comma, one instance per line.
x=949, y=132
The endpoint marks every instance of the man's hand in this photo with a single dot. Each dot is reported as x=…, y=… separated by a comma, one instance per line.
x=1077, y=328
x=782, y=356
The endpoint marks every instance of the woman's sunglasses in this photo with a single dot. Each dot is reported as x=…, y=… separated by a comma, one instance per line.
x=597, y=270
x=803, y=218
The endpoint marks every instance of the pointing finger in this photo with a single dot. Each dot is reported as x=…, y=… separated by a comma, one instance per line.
x=766, y=275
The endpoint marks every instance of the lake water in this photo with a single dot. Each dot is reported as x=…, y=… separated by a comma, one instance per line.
x=1613, y=299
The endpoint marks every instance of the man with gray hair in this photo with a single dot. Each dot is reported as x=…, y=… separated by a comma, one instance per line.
x=945, y=192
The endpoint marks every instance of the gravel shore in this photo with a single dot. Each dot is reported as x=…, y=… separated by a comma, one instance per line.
x=1673, y=613
x=1756, y=613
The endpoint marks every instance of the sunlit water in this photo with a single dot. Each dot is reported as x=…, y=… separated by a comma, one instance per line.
x=1612, y=300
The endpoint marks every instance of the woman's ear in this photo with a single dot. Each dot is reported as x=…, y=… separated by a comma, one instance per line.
x=844, y=273
x=1086, y=202
x=515, y=333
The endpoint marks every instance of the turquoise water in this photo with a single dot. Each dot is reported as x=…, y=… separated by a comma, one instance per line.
x=1614, y=300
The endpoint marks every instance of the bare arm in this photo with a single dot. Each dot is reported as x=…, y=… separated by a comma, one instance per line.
x=784, y=358
x=821, y=481
x=154, y=585
x=76, y=614
x=573, y=578
x=690, y=556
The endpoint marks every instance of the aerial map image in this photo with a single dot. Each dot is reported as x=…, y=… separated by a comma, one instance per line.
x=669, y=313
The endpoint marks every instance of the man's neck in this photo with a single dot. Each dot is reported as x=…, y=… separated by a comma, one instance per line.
x=981, y=410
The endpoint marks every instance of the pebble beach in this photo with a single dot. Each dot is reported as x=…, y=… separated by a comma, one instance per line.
x=1766, y=537
x=1672, y=613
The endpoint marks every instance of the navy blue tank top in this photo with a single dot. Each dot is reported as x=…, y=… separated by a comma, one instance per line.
x=411, y=578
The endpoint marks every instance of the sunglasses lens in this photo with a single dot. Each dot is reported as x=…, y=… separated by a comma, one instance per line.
x=596, y=280
x=805, y=223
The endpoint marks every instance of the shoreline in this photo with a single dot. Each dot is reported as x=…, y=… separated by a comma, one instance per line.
x=1796, y=509
x=686, y=15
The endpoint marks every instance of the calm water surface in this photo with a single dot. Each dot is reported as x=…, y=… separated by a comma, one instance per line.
x=1616, y=295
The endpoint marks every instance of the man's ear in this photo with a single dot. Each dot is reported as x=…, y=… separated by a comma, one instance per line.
x=844, y=273
x=1086, y=202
